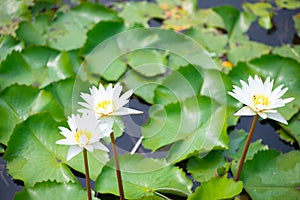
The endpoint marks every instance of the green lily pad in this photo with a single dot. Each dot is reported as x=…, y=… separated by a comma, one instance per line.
x=143, y=86
x=290, y=131
x=205, y=168
x=67, y=31
x=209, y=136
x=37, y=66
x=48, y=190
x=140, y=13
x=188, y=83
x=32, y=155
x=147, y=62
x=143, y=177
x=289, y=4
x=176, y=121
x=288, y=52
x=227, y=189
x=205, y=36
x=284, y=70
x=296, y=19
x=243, y=50
x=100, y=32
x=12, y=12
x=7, y=45
x=272, y=176
x=17, y=103
x=236, y=23
x=237, y=143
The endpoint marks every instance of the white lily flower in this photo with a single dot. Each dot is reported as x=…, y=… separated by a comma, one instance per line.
x=260, y=99
x=84, y=133
x=105, y=103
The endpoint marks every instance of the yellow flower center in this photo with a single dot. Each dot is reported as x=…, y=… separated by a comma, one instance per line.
x=82, y=137
x=260, y=101
x=103, y=104
x=104, y=107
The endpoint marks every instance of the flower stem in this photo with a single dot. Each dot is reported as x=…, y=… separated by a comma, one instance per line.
x=118, y=172
x=87, y=174
x=242, y=160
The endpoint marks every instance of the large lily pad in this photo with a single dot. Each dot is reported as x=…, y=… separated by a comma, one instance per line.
x=203, y=169
x=48, y=190
x=32, y=155
x=143, y=177
x=174, y=122
x=226, y=189
x=17, y=103
x=210, y=135
x=37, y=66
x=272, y=176
x=67, y=31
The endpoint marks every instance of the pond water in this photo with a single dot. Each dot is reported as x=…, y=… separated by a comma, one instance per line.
x=283, y=33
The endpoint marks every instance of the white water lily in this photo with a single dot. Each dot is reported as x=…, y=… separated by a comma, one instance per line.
x=260, y=99
x=84, y=133
x=106, y=103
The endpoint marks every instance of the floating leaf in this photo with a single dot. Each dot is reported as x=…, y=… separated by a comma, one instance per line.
x=143, y=86
x=140, y=13
x=32, y=155
x=100, y=32
x=237, y=143
x=205, y=36
x=272, y=176
x=48, y=190
x=37, y=66
x=289, y=4
x=205, y=168
x=67, y=31
x=188, y=83
x=19, y=102
x=226, y=189
x=296, y=19
x=7, y=45
x=12, y=12
x=210, y=135
x=147, y=62
x=291, y=130
x=244, y=50
x=143, y=177
x=174, y=122
x=283, y=70
x=288, y=52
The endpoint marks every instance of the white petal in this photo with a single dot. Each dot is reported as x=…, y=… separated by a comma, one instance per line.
x=127, y=111
x=245, y=111
x=89, y=147
x=66, y=141
x=277, y=117
x=100, y=146
x=65, y=132
x=262, y=115
x=73, y=151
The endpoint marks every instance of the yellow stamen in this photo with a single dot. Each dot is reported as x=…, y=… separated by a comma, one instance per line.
x=260, y=99
x=103, y=104
x=79, y=133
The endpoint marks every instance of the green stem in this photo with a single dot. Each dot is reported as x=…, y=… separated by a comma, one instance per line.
x=242, y=160
x=87, y=174
x=118, y=171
